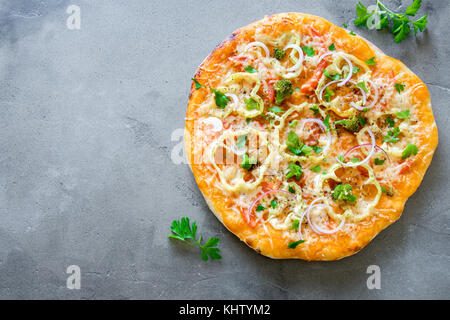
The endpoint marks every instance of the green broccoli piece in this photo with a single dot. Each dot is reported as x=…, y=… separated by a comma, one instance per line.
x=279, y=53
x=353, y=124
x=343, y=192
x=283, y=88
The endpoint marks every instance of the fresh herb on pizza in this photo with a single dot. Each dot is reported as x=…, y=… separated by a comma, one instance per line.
x=184, y=231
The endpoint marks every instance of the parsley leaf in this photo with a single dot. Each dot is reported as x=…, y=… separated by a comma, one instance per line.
x=316, y=149
x=390, y=122
x=198, y=85
x=309, y=51
x=279, y=53
x=247, y=162
x=328, y=94
x=413, y=8
x=259, y=208
x=371, y=61
x=315, y=168
x=362, y=85
x=209, y=249
x=332, y=47
x=326, y=122
x=405, y=114
x=315, y=109
x=399, y=87
x=392, y=135
x=294, y=244
x=183, y=230
x=356, y=69
x=379, y=162
x=343, y=192
x=293, y=124
x=250, y=69
x=355, y=160
x=409, y=150
x=220, y=98
x=291, y=190
x=294, y=170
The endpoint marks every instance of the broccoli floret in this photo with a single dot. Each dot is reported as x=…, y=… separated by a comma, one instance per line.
x=343, y=192
x=353, y=124
x=283, y=88
x=279, y=53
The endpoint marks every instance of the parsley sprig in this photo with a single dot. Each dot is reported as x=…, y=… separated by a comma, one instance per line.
x=184, y=231
x=399, y=23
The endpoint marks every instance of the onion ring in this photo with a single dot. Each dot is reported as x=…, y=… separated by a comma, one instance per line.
x=214, y=122
x=373, y=144
x=324, y=128
x=300, y=56
x=258, y=44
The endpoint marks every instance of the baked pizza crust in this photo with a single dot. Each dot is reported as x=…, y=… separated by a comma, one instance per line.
x=269, y=241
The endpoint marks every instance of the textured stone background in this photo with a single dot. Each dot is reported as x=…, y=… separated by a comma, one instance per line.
x=86, y=176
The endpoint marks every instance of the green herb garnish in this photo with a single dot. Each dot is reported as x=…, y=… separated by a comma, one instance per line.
x=294, y=170
x=343, y=192
x=183, y=231
x=294, y=244
x=398, y=23
x=220, y=98
x=309, y=51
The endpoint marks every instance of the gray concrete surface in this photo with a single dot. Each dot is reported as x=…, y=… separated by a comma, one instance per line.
x=86, y=176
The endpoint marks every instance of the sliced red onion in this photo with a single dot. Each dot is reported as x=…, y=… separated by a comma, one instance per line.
x=375, y=98
x=376, y=95
x=249, y=211
x=318, y=229
x=215, y=123
x=234, y=98
x=324, y=129
x=258, y=44
x=367, y=145
x=352, y=164
x=324, y=87
x=300, y=56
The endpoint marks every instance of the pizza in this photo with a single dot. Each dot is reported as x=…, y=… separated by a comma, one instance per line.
x=305, y=139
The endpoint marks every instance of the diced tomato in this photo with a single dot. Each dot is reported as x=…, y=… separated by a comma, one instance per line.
x=405, y=167
x=312, y=83
x=270, y=185
x=250, y=219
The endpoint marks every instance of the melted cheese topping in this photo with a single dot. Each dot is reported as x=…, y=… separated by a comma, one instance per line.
x=270, y=128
